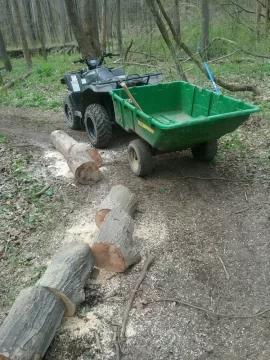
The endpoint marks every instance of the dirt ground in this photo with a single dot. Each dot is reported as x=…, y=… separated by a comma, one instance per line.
x=210, y=239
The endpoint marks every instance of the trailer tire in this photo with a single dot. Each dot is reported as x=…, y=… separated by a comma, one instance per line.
x=140, y=157
x=74, y=122
x=205, y=151
x=98, y=126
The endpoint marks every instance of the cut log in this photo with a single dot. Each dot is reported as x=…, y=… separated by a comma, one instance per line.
x=119, y=196
x=81, y=159
x=84, y=147
x=84, y=168
x=67, y=274
x=114, y=249
x=31, y=324
x=13, y=82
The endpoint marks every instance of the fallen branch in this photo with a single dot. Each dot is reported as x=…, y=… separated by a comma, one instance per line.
x=128, y=49
x=147, y=264
x=43, y=190
x=224, y=267
x=244, y=210
x=184, y=303
x=116, y=344
x=99, y=347
x=13, y=82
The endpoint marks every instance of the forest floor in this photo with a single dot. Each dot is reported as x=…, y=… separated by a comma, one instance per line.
x=210, y=239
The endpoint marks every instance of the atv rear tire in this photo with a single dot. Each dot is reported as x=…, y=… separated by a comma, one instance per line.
x=140, y=157
x=98, y=126
x=205, y=151
x=74, y=122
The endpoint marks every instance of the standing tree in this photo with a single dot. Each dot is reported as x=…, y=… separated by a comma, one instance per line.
x=41, y=31
x=63, y=20
x=86, y=46
x=19, y=23
x=89, y=16
x=104, y=26
x=119, y=27
x=205, y=23
x=176, y=17
x=4, y=54
x=267, y=17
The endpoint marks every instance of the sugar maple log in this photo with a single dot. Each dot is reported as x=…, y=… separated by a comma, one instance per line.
x=67, y=274
x=83, y=161
x=119, y=195
x=114, y=249
x=31, y=324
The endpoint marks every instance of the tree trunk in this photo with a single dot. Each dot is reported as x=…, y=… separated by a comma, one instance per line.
x=119, y=28
x=119, y=196
x=176, y=18
x=68, y=273
x=183, y=46
x=41, y=31
x=31, y=324
x=26, y=51
x=90, y=31
x=11, y=21
x=104, y=26
x=85, y=45
x=258, y=17
x=267, y=17
x=83, y=161
x=205, y=23
x=165, y=35
x=63, y=20
x=3, y=53
x=114, y=249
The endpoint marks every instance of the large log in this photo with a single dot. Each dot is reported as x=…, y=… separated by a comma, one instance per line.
x=114, y=249
x=118, y=196
x=67, y=274
x=31, y=324
x=83, y=161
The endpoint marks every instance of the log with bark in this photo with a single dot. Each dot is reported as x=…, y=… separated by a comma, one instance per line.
x=119, y=195
x=13, y=82
x=114, y=249
x=37, y=312
x=67, y=274
x=83, y=161
x=31, y=324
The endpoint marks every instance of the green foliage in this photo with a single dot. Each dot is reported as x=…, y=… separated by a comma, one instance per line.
x=2, y=139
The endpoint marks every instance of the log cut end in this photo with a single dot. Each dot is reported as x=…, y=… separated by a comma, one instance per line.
x=85, y=172
x=100, y=216
x=108, y=257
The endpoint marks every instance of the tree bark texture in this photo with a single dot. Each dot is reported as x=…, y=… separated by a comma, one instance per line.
x=67, y=274
x=19, y=23
x=119, y=27
x=205, y=23
x=118, y=196
x=85, y=45
x=41, y=31
x=176, y=18
x=4, y=54
x=114, y=249
x=31, y=324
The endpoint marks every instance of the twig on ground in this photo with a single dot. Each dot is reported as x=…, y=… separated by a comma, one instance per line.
x=224, y=267
x=244, y=210
x=184, y=303
x=42, y=191
x=146, y=265
x=99, y=347
x=246, y=197
x=211, y=178
x=116, y=344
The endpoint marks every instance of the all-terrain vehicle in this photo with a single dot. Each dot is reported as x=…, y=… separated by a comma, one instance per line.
x=88, y=103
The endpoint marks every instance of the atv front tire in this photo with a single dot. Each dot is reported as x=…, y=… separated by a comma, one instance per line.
x=74, y=122
x=98, y=126
x=205, y=151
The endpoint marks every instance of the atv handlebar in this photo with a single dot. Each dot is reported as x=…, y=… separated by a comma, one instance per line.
x=103, y=56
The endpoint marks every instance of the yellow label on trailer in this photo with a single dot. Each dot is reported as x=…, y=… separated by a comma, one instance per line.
x=146, y=127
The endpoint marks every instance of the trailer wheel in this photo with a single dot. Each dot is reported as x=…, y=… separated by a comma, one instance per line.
x=205, y=151
x=74, y=122
x=140, y=157
x=98, y=126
